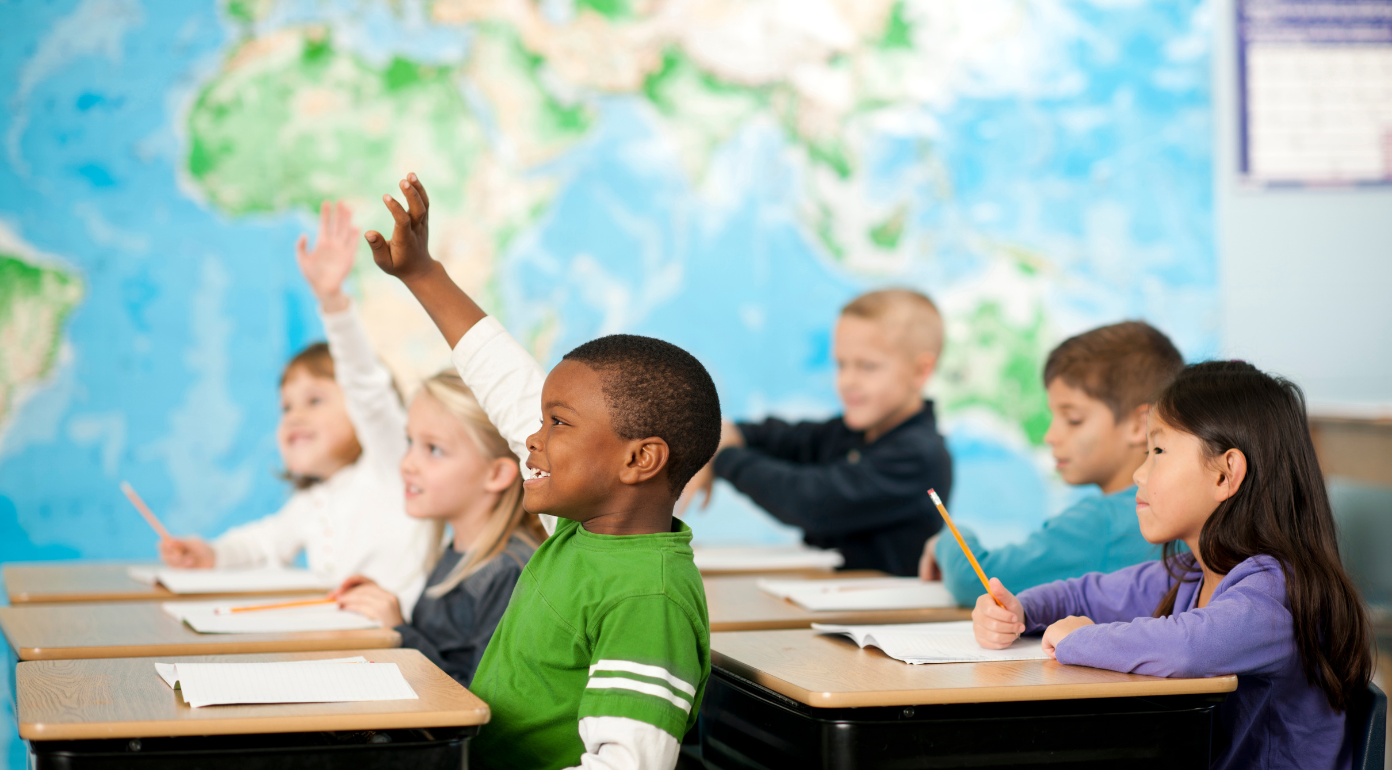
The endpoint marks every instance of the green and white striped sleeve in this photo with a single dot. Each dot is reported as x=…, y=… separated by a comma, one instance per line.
x=650, y=663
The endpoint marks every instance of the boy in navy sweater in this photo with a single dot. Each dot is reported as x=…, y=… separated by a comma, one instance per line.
x=857, y=483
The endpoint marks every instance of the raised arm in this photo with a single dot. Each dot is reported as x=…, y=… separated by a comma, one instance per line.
x=373, y=406
x=505, y=379
x=407, y=257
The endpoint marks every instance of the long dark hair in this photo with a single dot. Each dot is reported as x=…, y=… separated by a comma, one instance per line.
x=1281, y=510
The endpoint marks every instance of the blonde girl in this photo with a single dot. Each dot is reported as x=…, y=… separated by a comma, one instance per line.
x=458, y=473
x=341, y=434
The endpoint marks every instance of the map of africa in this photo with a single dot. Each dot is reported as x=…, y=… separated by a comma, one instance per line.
x=723, y=174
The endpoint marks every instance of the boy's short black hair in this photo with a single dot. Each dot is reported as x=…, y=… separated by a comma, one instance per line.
x=1122, y=365
x=654, y=388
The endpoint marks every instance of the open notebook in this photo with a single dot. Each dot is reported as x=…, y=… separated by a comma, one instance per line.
x=230, y=581
x=773, y=558
x=934, y=642
x=204, y=618
x=309, y=681
x=860, y=594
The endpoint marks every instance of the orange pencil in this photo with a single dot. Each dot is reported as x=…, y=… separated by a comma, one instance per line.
x=970, y=556
x=145, y=511
x=275, y=606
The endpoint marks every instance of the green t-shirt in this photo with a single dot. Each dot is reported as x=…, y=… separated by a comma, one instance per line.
x=599, y=625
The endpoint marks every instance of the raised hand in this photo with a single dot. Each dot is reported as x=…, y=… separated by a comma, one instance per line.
x=406, y=255
x=998, y=628
x=328, y=265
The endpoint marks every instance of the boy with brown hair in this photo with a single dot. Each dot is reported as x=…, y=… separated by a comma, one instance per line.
x=602, y=656
x=1100, y=385
x=858, y=482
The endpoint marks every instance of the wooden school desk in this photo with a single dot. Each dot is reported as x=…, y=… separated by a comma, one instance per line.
x=736, y=604
x=143, y=629
x=119, y=713
x=89, y=582
x=801, y=699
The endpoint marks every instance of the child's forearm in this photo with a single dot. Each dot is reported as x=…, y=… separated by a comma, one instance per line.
x=453, y=311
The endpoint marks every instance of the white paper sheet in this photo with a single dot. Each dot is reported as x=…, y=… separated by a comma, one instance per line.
x=765, y=558
x=143, y=575
x=934, y=643
x=203, y=618
x=170, y=674
x=218, y=684
x=229, y=581
x=861, y=594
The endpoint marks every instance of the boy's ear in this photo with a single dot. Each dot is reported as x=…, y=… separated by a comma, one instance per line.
x=1135, y=425
x=501, y=473
x=924, y=365
x=1232, y=469
x=644, y=459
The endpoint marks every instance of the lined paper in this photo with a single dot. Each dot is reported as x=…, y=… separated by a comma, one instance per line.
x=221, y=684
x=861, y=594
x=231, y=581
x=204, y=618
x=765, y=558
x=934, y=643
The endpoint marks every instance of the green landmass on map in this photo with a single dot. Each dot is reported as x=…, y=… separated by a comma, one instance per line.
x=34, y=303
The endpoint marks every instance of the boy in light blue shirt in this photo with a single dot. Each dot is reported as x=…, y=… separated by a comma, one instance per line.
x=1100, y=384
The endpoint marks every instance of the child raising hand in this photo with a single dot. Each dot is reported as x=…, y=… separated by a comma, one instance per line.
x=342, y=432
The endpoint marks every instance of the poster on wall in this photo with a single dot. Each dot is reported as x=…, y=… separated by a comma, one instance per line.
x=1315, y=81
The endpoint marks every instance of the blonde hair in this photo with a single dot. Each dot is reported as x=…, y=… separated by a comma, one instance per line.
x=909, y=314
x=507, y=517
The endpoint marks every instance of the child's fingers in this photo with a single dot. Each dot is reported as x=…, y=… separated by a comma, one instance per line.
x=413, y=199
x=381, y=252
x=325, y=218
x=399, y=214
x=420, y=187
x=301, y=255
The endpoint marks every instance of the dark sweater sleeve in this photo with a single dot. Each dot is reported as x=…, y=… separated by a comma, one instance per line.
x=454, y=632
x=839, y=497
x=785, y=441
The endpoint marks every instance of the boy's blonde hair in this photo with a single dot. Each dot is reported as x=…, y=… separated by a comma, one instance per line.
x=908, y=315
x=507, y=517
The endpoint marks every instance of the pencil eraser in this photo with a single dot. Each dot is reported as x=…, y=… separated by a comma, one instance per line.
x=934, y=495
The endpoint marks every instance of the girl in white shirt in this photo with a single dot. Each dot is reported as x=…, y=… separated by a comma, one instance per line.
x=341, y=436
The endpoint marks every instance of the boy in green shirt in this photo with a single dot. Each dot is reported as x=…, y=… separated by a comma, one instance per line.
x=603, y=654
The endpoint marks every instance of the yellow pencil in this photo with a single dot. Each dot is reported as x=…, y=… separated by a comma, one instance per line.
x=970, y=556
x=275, y=606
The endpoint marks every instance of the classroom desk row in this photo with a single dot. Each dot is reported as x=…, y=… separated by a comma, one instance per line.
x=86, y=696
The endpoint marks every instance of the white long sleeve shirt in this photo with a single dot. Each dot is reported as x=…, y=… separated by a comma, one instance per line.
x=355, y=521
x=507, y=382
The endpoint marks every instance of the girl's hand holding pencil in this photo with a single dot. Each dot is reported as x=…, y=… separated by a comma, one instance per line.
x=998, y=622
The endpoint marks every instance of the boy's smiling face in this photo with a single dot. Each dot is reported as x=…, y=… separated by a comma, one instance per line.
x=572, y=459
x=879, y=381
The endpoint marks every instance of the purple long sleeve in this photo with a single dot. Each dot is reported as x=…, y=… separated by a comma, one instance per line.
x=1275, y=719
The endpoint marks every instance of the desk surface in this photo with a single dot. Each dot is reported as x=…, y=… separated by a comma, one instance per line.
x=89, y=582
x=125, y=698
x=831, y=672
x=737, y=604
x=142, y=629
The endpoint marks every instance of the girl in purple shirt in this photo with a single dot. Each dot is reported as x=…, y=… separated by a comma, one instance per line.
x=1231, y=472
